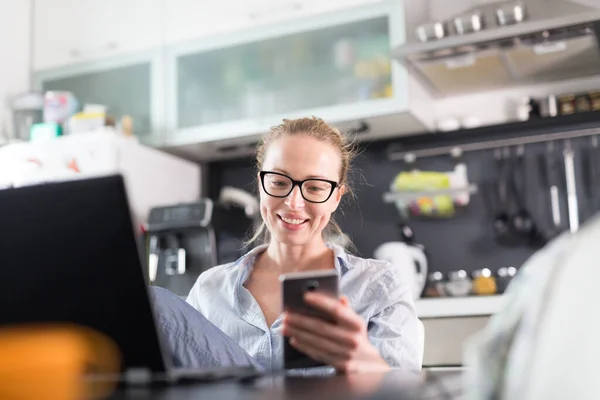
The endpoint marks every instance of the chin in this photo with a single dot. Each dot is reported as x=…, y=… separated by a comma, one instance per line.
x=292, y=239
x=286, y=238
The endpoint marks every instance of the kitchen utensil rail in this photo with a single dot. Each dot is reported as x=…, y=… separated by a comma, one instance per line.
x=411, y=156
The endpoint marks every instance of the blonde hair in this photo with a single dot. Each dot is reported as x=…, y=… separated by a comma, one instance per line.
x=316, y=128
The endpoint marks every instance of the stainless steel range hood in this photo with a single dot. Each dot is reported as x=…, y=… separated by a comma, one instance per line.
x=558, y=40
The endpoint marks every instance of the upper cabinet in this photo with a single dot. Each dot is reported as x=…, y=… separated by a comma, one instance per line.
x=206, y=80
x=193, y=19
x=336, y=65
x=75, y=31
x=128, y=85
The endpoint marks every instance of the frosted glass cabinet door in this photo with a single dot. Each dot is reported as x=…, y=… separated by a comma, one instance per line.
x=125, y=86
x=330, y=65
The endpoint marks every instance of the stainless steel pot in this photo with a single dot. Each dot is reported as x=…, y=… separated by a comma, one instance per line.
x=469, y=23
x=431, y=31
x=512, y=13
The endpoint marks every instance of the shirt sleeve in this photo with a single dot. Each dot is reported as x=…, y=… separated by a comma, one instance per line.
x=193, y=297
x=395, y=330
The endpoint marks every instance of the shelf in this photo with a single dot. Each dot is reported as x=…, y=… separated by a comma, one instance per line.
x=447, y=307
x=509, y=130
x=391, y=197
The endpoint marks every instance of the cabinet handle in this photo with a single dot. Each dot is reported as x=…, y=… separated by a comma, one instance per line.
x=281, y=9
x=77, y=53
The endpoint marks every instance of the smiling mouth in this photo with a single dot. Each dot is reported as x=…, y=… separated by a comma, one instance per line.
x=292, y=221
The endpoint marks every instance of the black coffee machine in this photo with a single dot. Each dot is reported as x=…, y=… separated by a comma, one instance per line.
x=184, y=240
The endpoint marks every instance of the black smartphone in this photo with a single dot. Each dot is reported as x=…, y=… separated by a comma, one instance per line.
x=294, y=286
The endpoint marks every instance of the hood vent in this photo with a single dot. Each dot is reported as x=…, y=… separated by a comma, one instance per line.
x=505, y=44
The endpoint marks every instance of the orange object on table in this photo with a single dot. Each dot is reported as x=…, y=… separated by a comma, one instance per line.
x=51, y=361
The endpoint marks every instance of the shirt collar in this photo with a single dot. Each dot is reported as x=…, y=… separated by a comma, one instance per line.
x=245, y=263
x=342, y=263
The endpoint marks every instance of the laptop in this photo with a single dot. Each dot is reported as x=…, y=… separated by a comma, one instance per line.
x=68, y=253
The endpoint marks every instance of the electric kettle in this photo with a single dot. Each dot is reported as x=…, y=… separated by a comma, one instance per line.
x=411, y=260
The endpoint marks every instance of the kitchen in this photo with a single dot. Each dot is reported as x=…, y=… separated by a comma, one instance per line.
x=440, y=134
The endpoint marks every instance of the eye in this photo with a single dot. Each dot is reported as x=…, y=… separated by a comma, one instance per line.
x=279, y=183
x=317, y=186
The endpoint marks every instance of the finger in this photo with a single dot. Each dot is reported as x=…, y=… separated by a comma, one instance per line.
x=335, y=333
x=319, y=355
x=312, y=353
x=341, y=313
x=317, y=344
x=341, y=364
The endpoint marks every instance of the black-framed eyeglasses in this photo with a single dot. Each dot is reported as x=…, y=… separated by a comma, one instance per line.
x=312, y=190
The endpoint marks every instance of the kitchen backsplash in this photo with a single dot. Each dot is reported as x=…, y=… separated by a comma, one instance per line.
x=467, y=239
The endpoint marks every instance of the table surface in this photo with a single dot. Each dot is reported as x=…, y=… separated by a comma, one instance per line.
x=394, y=385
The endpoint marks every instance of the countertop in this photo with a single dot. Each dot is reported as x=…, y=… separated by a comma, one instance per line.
x=445, y=307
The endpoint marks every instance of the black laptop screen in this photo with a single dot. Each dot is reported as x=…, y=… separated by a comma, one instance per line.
x=68, y=254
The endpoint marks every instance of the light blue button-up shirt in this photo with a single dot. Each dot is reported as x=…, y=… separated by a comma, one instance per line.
x=375, y=289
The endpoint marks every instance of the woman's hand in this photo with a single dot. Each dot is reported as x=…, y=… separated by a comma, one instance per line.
x=343, y=344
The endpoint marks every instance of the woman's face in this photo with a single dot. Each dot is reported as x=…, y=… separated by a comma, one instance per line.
x=292, y=219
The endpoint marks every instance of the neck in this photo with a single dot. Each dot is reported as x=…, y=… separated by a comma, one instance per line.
x=286, y=258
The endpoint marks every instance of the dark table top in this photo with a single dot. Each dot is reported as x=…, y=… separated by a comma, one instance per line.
x=394, y=385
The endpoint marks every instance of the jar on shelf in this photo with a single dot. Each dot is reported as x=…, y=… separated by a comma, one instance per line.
x=505, y=276
x=484, y=284
x=459, y=284
x=435, y=285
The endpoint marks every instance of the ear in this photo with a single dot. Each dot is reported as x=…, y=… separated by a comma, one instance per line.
x=340, y=192
x=338, y=196
x=258, y=182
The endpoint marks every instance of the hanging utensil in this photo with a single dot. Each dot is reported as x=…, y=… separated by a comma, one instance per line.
x=593, y=176
x=501, y=220
x=551, y=172
x=573, y=207
x=588, y=178
x=522, y=222
x=503, y=223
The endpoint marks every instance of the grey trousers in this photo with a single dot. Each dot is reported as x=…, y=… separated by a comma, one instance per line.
x=193, y=340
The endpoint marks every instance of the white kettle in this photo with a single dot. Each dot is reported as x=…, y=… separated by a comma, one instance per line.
x=411, y=260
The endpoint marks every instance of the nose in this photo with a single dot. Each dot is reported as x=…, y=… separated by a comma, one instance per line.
x=295, y=199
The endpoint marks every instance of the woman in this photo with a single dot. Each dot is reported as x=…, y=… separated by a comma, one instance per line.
x=303, y=174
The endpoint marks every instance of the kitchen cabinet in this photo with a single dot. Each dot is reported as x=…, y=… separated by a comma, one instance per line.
x=450, y=323
x=75, y=31
x=333, y=65
x=127, y=85
x=192, y=19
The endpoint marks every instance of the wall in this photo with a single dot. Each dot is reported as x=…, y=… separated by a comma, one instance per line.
x=15, y=51
x=465, y=241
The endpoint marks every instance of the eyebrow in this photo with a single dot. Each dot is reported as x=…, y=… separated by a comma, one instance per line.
x=283, y=171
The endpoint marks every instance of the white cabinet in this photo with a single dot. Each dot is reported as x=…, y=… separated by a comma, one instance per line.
x=196, y=74
x=74, y=31
x=224, y=91
x=127, y=84
x=193, y=19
